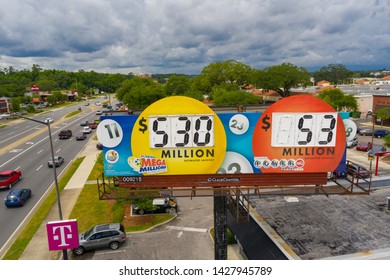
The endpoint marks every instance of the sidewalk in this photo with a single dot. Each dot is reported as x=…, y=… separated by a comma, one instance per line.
x=37, y=249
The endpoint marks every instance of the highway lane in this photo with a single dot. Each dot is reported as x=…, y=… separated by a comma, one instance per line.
x=31, y=158
x=20, y=128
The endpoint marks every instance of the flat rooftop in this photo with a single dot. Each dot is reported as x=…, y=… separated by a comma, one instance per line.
x=339, y=227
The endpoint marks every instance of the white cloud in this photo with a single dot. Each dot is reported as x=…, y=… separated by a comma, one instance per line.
x=169, y=36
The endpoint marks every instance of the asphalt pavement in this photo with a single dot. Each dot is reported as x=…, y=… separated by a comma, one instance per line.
x=37, y=249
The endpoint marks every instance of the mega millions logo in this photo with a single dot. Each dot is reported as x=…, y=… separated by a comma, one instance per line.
x=147, y=164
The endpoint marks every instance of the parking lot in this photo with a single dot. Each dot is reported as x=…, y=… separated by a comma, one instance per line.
x=184, y=238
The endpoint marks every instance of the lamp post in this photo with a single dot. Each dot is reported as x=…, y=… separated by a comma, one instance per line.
x=64, y=252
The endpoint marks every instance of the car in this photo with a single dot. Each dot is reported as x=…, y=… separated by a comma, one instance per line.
x=8, y=178
x=357, y=170
x=87, y=104
x=98, y=104
x=86, y=130
x=365, y=132
x=101, y=236
x=65, y=134
x=381, y=133
x=17, y=197
x=363, y=146
x=57, y=161
x=99, y=146
x=48, y=120
x=84, y=123
x=92, y=125
x=99, y=112
x=352, y=143
x=161, y=205
x=81, y=136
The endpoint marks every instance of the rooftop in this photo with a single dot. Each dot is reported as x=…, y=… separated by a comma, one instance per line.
x=318, y=227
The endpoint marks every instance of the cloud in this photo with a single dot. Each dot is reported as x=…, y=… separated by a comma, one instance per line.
x=169, y=36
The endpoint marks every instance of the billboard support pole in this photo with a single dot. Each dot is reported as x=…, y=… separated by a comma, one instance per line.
x=220, y=226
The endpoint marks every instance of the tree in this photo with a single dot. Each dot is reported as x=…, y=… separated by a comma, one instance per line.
x=334, y=73
x=230, y=71
x=382, y=114
x=339, y=100
x=281, y=78
x=177, y=85
x=221, y=97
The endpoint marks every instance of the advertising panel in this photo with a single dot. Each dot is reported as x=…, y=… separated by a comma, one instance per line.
x=180, y=135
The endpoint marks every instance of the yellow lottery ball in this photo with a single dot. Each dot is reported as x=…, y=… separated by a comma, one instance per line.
x=178, y=135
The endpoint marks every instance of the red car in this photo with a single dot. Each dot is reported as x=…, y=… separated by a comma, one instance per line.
x=8, y=178
x=363, y=146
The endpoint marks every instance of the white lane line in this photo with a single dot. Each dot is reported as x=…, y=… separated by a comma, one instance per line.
x=15, y=135
x=58, y=151
x=39, y=152
x=188, y=229
x=39, y=167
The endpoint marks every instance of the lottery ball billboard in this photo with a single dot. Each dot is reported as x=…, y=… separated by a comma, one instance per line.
x=180, y=135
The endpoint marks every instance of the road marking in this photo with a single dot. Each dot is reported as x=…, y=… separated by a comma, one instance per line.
x=39, y=152
x=29, y=143
x=16, y=150
x=188, y=228
x=180, y=234
x=18, y=168
x=58, y=151
x=39, y=167
x=15, y=135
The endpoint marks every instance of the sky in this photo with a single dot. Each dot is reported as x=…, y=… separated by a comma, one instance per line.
x=173, y=36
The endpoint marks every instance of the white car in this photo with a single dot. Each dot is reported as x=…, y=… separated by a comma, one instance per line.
x=86, y=130
x=49, y=120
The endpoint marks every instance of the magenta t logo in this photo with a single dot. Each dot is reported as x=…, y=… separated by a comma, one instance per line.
x=62, y=235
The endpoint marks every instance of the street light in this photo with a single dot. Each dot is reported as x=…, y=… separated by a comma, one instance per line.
x=64, y=252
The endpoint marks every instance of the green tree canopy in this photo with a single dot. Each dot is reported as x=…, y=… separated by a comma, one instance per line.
x=339, y=100
x=334, y=73
x=222, y=96
x=382, y=114
x=281, y=78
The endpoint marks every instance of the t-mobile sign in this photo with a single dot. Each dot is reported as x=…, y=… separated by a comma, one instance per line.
x=62, y=235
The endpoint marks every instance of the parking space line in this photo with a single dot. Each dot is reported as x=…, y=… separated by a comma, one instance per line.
x=188, y=229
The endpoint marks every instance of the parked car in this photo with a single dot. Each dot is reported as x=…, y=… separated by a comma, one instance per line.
x=17, y=197
x=57, y=161
x=365, y=132
x=81, y=136
x=84, y=123
x=49, y=120
x=65, y=134
x=357, y=170
x=8, y=178
x=99, y=112
x=101, y=236
x=352, y=143
x=86, y=130
x=363, y=146
x=161, y=205
x=381, y=133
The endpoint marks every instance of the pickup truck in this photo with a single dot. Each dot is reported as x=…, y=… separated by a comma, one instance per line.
x=65, y=134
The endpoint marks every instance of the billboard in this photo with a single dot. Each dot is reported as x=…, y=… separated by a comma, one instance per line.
x=180, y=135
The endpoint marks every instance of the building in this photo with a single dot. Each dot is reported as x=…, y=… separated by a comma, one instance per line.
x=5, y=104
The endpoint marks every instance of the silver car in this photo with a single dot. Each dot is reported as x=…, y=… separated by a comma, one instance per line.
x=101, y=236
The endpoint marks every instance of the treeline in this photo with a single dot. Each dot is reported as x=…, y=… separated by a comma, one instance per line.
x=221, y=82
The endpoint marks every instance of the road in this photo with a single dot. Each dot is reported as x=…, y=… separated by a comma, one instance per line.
x=25, y=146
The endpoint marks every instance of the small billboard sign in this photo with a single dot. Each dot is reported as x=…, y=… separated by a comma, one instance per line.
x=62, y=235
